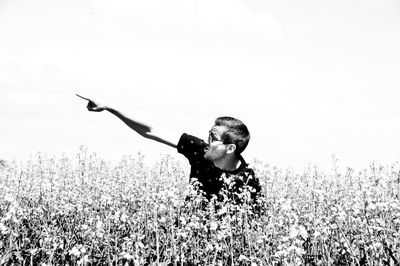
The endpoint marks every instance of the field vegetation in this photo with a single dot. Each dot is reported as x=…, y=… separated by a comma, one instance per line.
x=87, y=211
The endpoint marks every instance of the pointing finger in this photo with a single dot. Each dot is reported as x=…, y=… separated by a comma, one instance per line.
x=82, y=97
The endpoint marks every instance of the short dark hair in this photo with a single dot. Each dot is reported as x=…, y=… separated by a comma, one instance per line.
x=236, y=133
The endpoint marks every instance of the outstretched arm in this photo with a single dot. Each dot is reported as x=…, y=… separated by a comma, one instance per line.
x=141, y=128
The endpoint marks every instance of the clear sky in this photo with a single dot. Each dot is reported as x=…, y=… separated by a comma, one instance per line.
x=309, y=78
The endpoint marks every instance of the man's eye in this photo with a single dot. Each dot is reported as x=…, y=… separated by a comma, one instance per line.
x=214, y=138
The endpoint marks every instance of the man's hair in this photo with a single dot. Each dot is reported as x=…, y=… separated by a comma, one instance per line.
x=236, y=133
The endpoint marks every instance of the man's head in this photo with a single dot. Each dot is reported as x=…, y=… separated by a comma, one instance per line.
x=229, y=136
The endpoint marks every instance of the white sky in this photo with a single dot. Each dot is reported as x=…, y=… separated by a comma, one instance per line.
x=309, y=78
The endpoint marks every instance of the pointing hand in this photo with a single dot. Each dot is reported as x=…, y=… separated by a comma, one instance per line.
x=92, y=105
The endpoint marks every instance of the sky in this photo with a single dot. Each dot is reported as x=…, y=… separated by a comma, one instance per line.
x=311, y=79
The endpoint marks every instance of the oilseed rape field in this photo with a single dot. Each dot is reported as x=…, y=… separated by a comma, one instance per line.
x=87, y=211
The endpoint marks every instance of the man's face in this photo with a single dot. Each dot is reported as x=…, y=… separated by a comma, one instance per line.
x=216, y=149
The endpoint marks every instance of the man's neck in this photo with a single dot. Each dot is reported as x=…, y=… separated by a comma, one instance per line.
x=228, y=164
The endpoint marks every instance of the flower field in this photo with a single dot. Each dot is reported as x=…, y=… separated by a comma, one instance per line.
x=87, y=211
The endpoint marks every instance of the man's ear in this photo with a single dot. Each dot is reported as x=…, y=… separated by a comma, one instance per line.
x=231, y=148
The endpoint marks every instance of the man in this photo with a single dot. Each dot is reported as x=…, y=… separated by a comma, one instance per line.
x=216, y=164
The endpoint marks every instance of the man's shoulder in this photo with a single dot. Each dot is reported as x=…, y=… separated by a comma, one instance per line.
x=246, y=171
x=247, y=175
x=244, y=167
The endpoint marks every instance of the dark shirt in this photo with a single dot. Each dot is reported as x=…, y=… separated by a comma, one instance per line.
x=211, y=178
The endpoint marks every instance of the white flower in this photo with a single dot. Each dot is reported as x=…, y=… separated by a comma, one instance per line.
x=128, y=256
x=75, y=252
x=83, y=250
x=33, y=251
x=303, y=232
x=183, y=220
x=3, y=229
x=139, y=244
x=84, y=261
x=99, y=225
x=293, y=232
x=213, y=226
x=123, y=217
x=9, y=198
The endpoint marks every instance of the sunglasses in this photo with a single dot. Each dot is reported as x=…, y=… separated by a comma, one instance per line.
x=213, y=136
